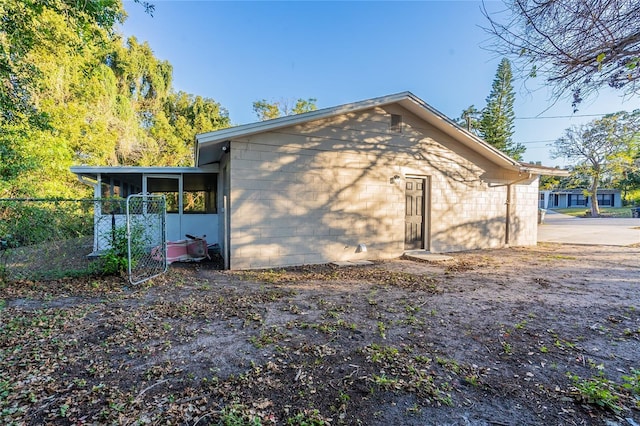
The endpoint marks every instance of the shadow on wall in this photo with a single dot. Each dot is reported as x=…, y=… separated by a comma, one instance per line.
x=472, y=235
x=313, y=192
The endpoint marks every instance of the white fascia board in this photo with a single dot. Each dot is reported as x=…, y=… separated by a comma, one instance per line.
x=542, y=170
x=87, y=170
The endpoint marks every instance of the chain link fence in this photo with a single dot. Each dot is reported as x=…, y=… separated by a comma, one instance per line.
x=146, y=245
x=45, y=239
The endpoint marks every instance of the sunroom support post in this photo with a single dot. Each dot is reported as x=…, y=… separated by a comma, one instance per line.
x=97, y=209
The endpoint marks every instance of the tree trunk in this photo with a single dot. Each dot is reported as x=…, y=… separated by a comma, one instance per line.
x=595, y=210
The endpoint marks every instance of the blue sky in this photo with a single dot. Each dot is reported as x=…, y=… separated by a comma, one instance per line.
x=341, y=52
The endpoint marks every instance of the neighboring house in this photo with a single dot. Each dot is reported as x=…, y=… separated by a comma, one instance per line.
x=566, y=198
x=367, y=180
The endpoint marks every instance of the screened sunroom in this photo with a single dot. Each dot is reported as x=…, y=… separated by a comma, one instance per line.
x=191, y=194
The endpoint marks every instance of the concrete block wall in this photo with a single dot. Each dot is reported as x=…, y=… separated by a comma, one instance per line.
x=525, y=213
x=313, y=193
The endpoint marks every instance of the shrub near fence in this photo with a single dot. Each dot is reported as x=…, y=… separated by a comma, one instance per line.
x=45, y=239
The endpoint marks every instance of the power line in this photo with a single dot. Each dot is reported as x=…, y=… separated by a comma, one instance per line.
x=537, y=142
x=559, y=116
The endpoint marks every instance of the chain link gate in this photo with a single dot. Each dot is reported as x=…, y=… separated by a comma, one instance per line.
x=146, y=243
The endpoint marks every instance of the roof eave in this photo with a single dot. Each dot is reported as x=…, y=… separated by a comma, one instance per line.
x=472, y=141
x=543, y=171
x=406, y=99
x=86, y=170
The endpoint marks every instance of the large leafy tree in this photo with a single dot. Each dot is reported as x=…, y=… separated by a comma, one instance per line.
x=629, y=181
x=73, y=92
x=44, y=48
x=578, y=46
x=266, y=110
x=21, y=31
x=496, y=122
x=30, y=33
x=601, y=149
x=183, y=116
x=143, y=82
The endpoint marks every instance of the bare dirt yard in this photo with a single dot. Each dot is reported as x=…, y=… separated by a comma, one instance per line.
x=548, y=335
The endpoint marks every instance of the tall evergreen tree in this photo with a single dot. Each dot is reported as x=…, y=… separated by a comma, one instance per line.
x=496, y=124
